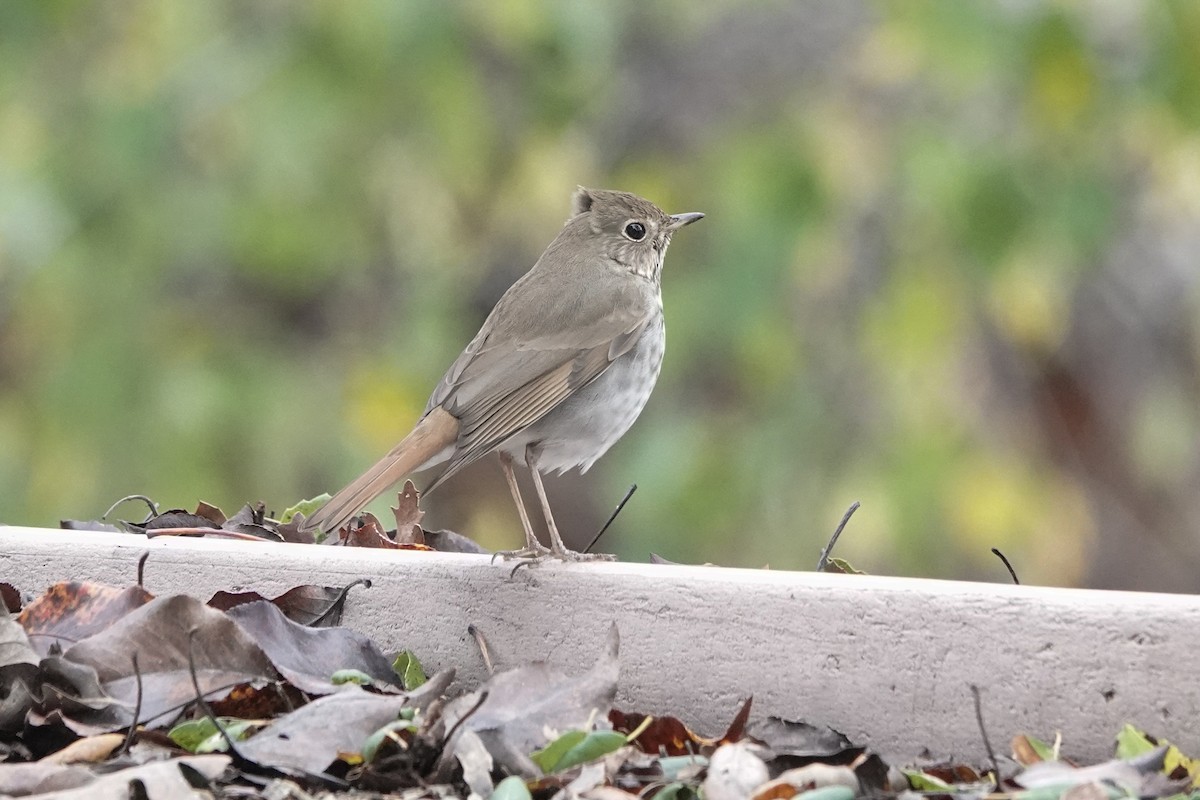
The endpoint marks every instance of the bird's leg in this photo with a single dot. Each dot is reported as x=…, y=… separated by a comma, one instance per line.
x=557, y=548
x=533, y=548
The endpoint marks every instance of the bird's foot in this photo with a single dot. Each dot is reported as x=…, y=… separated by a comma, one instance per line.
x=534, y=551
x=563, y=554
x=530, y=558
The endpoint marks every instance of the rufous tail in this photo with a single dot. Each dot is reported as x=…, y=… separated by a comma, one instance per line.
x=436, y=431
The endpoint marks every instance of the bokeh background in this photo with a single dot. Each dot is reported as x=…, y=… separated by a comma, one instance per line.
x=949, y=267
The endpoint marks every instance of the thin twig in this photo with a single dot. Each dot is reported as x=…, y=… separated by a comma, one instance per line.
x=482, y=644
x=823, y=561
x=218, y=533
x=141, y=570
x=137, y=707
x=153, y=506
x=613, y=516
x=996, y=552
x=204, y=706
x=987, y=744
x=483, y=696
x=339, y=601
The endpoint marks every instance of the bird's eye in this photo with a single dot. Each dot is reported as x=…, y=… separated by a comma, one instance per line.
x=635, y=231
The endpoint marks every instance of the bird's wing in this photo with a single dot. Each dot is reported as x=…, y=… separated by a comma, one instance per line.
x=524, y=362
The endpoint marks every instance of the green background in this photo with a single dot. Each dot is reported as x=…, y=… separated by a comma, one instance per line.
x=949, y=267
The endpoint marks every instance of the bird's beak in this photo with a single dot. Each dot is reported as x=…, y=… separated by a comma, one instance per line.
x=679, y=220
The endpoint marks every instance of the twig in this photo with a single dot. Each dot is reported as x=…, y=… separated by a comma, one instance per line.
x=141, y=572
x=996, y=552
x=483, y=696
x=205, y=707
x=613, y=516
x=217, y=532
x=987, y=744
x=339, y=601
x=482, y=644
x=153, y=506
x=137, y=706
x=823, y=561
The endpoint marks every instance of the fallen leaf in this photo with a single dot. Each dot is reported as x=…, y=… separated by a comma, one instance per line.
x=311, y=738
x=408, y=514
x=799, y=742
x=522, y=703
x=88, y=750
x=67, y=613
x=303, y=604
x=10, y=597
x=451, y=542
x=39, y=777
x=308, y=657
x=412, y=675
x=161, y=633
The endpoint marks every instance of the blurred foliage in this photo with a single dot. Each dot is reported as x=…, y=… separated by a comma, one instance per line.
x=948, y=267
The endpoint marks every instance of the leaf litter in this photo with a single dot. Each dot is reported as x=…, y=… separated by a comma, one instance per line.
x=113, y=692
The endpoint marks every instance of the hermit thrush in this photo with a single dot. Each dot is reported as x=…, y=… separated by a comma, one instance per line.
x=559, y=371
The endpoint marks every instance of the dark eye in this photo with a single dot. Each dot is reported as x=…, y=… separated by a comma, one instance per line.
x=635, y=231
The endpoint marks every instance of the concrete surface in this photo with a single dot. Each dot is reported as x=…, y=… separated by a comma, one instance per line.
x=888, y=661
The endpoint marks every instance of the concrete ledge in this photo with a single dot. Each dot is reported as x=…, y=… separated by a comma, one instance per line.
x=888, y=661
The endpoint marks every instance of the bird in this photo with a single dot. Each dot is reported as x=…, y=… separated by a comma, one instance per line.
x=558, y=372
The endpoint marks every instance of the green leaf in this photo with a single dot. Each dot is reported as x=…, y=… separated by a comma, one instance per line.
x=201, y=736
x=576, y=747
x=305, y=507
x=1131, y=742
x=1045, y=751
x=511, y=788
x=675, y=767
x=841, y=565
x=409, y=670
x=674, y=791
x=351, y=676
x=371, y=746
x=548, y=757
x=924, y=782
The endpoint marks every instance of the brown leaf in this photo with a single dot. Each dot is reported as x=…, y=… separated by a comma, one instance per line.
x=160, y=632
x=664, y=734
x=302, y=604
x=367, y=531
x=408, y=515
x=737, y=728
x=11, y=598
x=308, y=657
x=252, y=520
x=211, y=513
x=1023, y=752
x=70, y=612
x=248, y=701
x=88, y=750
x=290, y=531
x=176, y=518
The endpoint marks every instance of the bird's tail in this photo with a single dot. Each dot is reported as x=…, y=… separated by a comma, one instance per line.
x=436, y=431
